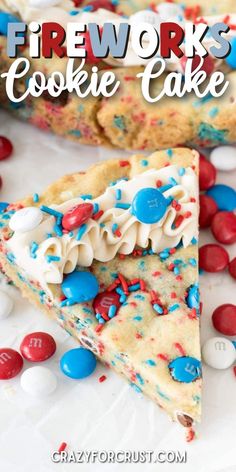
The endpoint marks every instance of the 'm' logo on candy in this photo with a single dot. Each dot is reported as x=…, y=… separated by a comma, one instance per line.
x=35, y=342
x=4, y=357
x=51, y=39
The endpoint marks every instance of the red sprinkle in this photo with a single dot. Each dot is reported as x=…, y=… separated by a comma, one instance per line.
x=123, y=284
x=163, y=357
x=190, y=435
x=102, y=378
x=97, y=215
x=180, y=348
x=124, y=163
x=62, y=447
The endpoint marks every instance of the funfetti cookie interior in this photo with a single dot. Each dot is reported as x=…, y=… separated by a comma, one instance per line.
x=139, y=245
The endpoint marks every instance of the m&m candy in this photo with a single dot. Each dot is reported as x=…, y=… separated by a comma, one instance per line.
x=232, y=268
x=224, y=158
x=78, y=363
x=26, y=219
x=6, y=147
x=43, y=3
x=185, y=369
x=5, y=19
x=208, y=209
x=3, y=206
x=224, y=196
x=207, y=66
x=149, y=205
x=213, y=258
x=11, y=363
x=224, y=319
x=207, y=174
x=6, y=305
x=77, y=216
x=79, y=287
x=146, y=16
x=105, y=4
x=37, y=347
x=105, y=300
x=38, y=381
x=218, y=353
x=231, y=58
x=223, y=227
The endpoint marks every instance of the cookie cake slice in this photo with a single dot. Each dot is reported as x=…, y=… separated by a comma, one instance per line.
x=111, y=254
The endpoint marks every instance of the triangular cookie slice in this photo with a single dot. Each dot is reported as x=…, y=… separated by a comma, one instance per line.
x=111, y=254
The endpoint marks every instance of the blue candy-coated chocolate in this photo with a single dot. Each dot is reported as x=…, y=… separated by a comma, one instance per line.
x=193, y=298
x=231, y=58
x=79, y=287
x=6, y=18
x=78, y=363
x=185, y=369
x=3, y=206
x=224, y=196
x=149, y=205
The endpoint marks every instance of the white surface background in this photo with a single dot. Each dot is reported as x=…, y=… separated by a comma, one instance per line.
x=86, y=414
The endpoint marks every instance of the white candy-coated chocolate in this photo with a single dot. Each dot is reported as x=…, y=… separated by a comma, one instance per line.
x=224, y=158
x=219, y=352
x=38, y=381
x=6, y=305
x=26, y=219
x=43, y=3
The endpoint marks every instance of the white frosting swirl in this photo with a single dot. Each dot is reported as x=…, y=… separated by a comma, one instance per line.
x=98, y=240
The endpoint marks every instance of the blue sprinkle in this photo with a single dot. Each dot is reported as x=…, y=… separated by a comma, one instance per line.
x=87, y=196
x=50, y=211
x=35, y=198
x=158, y=308
x=114, y=227
x=58, y=230
x=169, y=152
x=173, y=307
x=124, y=206
x=164, y=188
x=176, y=271
x=112, y=311
x=173, y=181
x=52, y=259
x=140, y=379
x=118, y=194
x=181, y=171
x=144, y=162
x=194, y=241
x=74, y=12
x=137, y=318
x=33, y=249
x=213, y=112
x=150, y=362
x=81, y=231
x=95, y=207
x=133, y=288
x=192, y=261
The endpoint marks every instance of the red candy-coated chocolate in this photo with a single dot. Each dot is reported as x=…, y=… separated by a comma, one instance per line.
x=208, y=209
x=208, y=65
x=232, y=268
x=223, y=227
x=105, y=4
x=213, y=258
x=77, y=216
x=207, y=174
x=6, y=148
x=37, y=347
x=11, y=363
x=104, y=300
x=224, y=319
